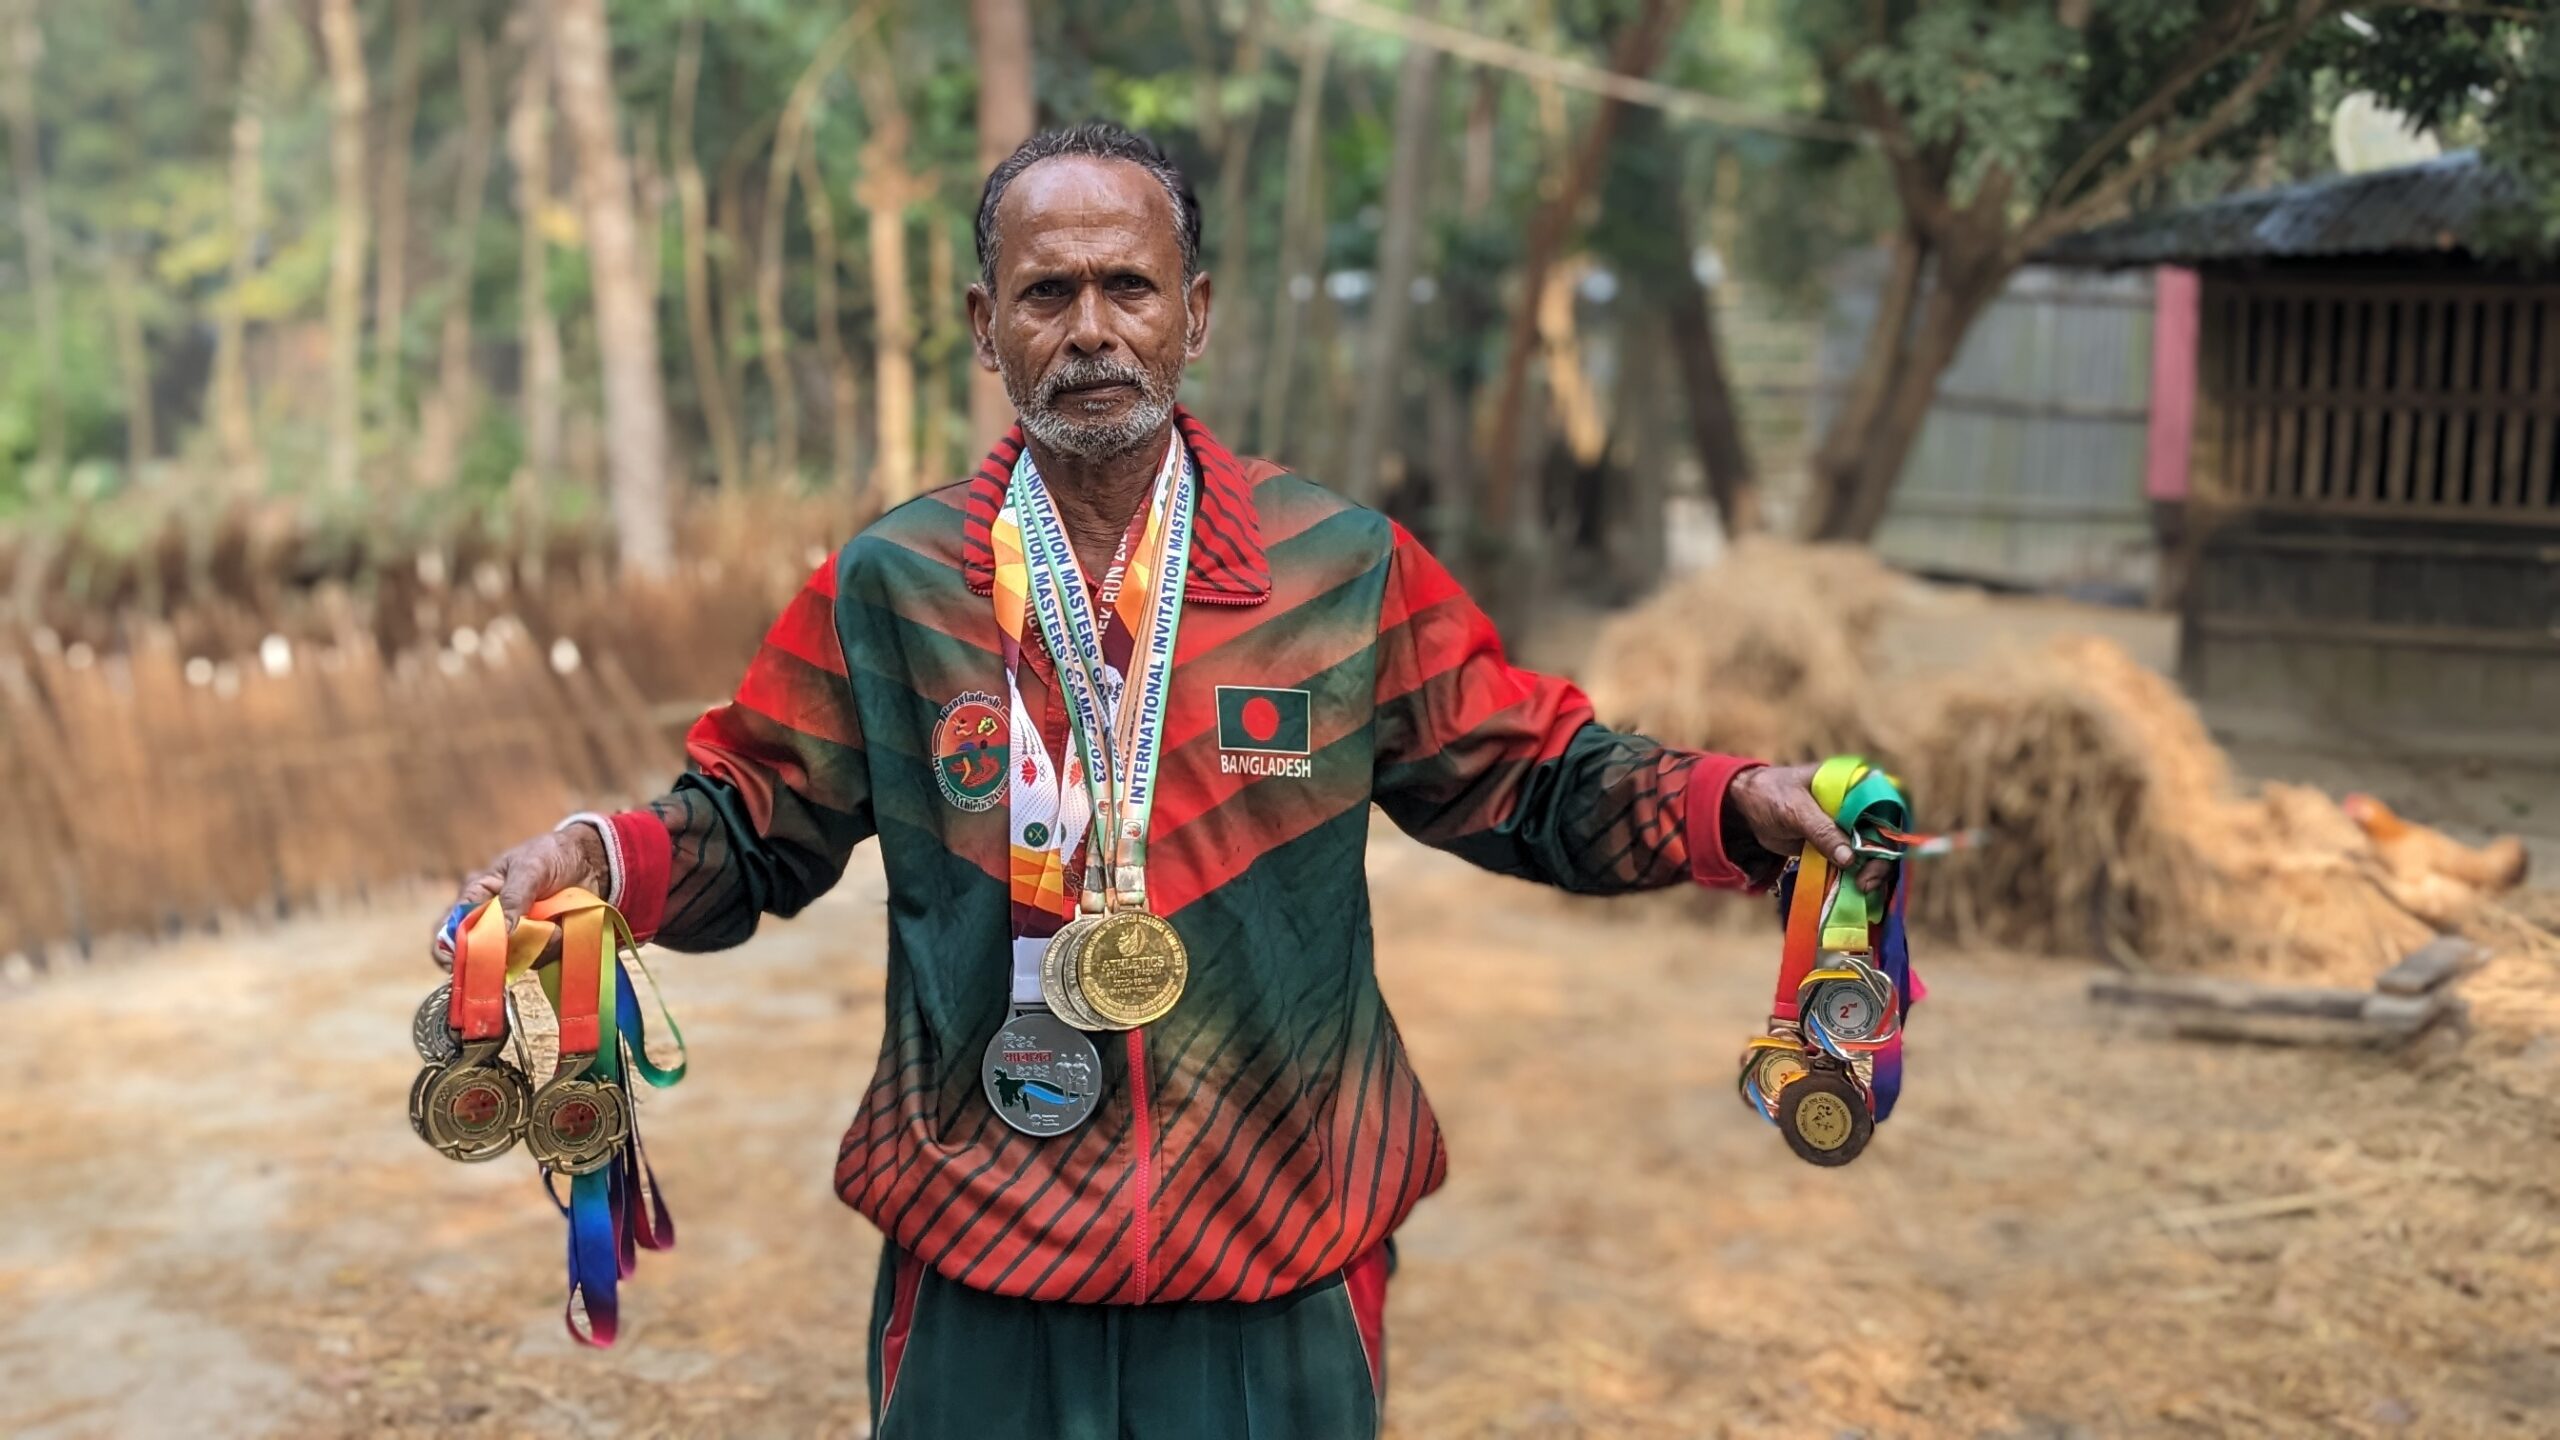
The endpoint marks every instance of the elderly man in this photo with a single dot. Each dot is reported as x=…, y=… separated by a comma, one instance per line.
x=1117, y=707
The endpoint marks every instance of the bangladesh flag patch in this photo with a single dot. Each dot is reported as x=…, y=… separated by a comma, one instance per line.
x=1257, y=721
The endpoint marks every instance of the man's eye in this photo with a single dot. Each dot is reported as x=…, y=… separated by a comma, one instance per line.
x=1043, y=290
x=1130, y=284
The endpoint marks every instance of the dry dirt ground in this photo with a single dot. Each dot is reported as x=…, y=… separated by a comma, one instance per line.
x=214, y=1225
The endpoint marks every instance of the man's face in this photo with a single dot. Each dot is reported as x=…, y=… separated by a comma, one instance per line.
x=1090, y=322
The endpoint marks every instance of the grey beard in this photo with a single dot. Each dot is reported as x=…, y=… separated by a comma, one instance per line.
x=1057, y=427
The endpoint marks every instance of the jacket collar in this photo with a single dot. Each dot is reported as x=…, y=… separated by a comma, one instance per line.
x=1228, y=566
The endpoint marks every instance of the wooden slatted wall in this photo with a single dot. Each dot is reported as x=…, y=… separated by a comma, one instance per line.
x=2359, y=395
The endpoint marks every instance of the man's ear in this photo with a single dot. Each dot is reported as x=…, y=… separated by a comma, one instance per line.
x=1195, y=339
x=982, y=308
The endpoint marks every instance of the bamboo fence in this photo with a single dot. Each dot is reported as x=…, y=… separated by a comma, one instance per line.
x=233, y=759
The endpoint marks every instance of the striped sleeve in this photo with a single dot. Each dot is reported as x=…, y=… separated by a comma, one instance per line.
x=1507, y=768
x=774, y=797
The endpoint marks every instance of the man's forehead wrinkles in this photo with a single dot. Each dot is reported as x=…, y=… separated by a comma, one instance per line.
x=1090, y=247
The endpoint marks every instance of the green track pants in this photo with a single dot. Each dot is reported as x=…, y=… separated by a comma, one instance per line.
x=951, y=1363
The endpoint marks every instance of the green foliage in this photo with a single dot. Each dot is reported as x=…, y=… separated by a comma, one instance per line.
x=1980, y=87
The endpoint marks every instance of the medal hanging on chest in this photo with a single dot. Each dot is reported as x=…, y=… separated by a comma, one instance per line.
x=1112, y=964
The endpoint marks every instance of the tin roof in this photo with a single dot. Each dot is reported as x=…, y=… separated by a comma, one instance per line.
x=2429, y=206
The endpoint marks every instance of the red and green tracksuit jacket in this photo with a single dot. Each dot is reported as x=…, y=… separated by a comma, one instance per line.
x=1270, y=1130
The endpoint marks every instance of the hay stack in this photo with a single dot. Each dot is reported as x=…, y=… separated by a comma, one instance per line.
x=2116, y=828
x=1763, y=654
x=2114, y=824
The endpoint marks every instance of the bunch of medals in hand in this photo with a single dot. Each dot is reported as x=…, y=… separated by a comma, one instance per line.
x=478, y=1096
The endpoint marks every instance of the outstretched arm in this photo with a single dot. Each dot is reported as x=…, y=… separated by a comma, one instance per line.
x=1508, y=769
x=774, y=797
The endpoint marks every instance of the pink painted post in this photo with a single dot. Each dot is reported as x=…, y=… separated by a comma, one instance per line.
x=2175, y=316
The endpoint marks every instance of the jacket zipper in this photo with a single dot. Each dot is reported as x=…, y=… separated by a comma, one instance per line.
x=1144, y=1232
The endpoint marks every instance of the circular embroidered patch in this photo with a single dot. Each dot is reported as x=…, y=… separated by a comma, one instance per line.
x=969, y=751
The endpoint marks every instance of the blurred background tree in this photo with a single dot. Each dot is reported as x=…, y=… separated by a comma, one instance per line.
x=394, y=262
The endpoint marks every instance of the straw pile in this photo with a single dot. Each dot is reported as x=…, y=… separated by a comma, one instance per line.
x=2115, y=827
x=1765, y=654
x=2113, y=823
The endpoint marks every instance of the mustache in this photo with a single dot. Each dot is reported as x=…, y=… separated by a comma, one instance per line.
x=1090, y=370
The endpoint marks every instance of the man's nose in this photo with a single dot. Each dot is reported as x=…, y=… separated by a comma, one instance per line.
x=1088, y=328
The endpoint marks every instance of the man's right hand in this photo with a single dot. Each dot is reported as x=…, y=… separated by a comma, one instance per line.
x=570, y=857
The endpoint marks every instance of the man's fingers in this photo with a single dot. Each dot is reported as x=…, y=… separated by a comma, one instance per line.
x=519, y=893
x=1871, y=876
x=1821, y=832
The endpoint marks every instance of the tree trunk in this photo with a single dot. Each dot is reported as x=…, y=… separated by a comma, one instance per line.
x=774, y=346
x=1661, y=259
x=1233, y=401
x=133, y=362
x=229, y=401
x=1715, y=424
x=886, y=189
x=1301, y=244
x=25, y=42
x=732, y=263
x=529, y=152
x=1484, y=114
x=449, y=415
x=1853, y=495
x=826, y=258
x=1007, y=106
x=1639, y=525
x=1835, y=461
x=343, y=40
x=626, y=330
x=391, y=250
x=1637, y=50
x=702, y=340
x=946, y=341
x=1382, y=399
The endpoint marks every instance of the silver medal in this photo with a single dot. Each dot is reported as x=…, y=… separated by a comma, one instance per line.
x=1042, y=1075
x=431, y=1031
x=1849, y=1010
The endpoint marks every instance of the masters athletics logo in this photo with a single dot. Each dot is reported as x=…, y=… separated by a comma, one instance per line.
x=1264, y=732
x=969, y=751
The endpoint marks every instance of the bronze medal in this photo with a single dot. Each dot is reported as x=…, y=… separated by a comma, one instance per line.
x=431, y=1029
x=1131, y=968
x=576, y=1125
x=1825, y=1116
x=473, y=1109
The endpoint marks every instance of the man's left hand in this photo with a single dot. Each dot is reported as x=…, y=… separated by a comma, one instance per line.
x=1776, y=803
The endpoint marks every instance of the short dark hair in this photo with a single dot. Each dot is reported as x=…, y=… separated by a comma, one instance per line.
x=1101, y=140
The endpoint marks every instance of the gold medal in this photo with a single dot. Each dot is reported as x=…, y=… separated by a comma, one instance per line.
x=1130, y=969
x=1057, y=974
x=473, y=1109
x=577, y=1126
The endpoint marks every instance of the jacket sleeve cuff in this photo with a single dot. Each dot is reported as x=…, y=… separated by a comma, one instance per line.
x=1711, y=861
x=648, y=863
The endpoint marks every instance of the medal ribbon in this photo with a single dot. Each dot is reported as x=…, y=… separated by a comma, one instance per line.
x=1829, y=913
x=1125, y=728
x=1050, y=799
x=615, y=1211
